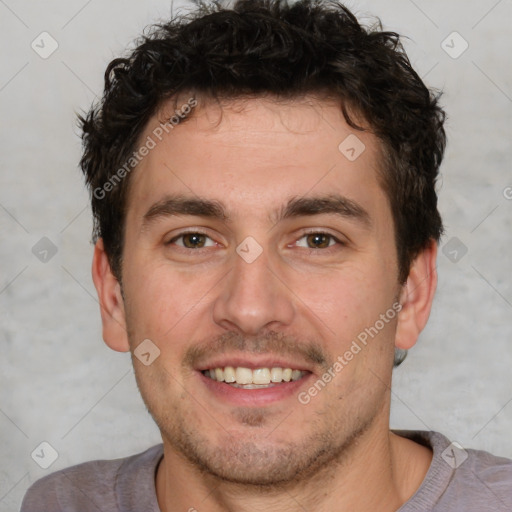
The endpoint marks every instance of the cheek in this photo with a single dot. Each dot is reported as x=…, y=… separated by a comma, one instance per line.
x=163, y=301
x=347, y=298
x=350, y=303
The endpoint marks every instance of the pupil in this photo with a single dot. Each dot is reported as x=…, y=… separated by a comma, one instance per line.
x=318, y=241
x=193, y=240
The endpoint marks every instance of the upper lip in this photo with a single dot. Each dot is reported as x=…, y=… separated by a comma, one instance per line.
x=254, y=361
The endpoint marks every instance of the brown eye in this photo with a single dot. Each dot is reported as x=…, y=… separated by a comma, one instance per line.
x=318, y=240
x=192, y=240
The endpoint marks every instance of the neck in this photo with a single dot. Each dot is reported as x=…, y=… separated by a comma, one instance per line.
x=379, y=471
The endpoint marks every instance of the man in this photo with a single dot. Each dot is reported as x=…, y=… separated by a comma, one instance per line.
x=263, y=187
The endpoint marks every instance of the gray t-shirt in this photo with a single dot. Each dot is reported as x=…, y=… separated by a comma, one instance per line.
x=458, y=480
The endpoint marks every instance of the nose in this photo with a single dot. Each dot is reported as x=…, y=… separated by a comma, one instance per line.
x=253, y=297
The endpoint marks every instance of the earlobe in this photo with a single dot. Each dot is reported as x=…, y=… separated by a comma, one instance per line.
x=416, y=297
x=111, y=301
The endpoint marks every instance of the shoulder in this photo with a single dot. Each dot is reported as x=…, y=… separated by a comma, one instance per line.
x=468, y=462
x=91, y=486
x=461, y=478
x=484, y=475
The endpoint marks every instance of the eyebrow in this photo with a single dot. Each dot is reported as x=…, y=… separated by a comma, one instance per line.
x=331, y=204
x=296, y=207
x=181, y=205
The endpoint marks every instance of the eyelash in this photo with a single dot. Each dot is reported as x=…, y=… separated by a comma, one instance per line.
x=337, y=241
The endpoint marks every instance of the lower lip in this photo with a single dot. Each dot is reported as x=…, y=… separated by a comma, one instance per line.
x=253, y=397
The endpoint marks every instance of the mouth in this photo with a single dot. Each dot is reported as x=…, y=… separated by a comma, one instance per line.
x=241, y=382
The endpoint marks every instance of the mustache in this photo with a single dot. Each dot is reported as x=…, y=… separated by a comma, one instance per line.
x=270, y=342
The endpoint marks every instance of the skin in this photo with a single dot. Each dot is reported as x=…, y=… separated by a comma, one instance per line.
x=293, y=301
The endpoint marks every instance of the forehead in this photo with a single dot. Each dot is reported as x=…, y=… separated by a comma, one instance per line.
x=256, y=154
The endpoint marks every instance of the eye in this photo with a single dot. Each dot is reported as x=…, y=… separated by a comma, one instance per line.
x=317, y=240
x=192, y=240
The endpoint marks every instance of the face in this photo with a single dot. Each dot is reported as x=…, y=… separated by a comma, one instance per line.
x=252, y=242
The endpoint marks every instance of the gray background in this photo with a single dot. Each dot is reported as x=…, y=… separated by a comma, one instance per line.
x=62, y=385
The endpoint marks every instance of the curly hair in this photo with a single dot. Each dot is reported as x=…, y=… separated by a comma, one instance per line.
x=270, y=47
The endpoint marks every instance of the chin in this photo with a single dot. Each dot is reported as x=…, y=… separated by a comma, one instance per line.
x=261, y=460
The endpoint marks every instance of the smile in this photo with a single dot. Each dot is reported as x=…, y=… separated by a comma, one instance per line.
x=247, y=378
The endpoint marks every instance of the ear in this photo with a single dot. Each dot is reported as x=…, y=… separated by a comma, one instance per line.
x=416, y=297
x=111, y=301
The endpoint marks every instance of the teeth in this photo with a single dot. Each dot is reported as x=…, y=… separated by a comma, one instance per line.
x=276, y=374
x=251, y=386
x=229, y=374
x=259, y=377
x=296, y=374
x=243, y=375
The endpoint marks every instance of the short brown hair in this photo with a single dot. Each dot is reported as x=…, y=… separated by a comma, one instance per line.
x=270, y=47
